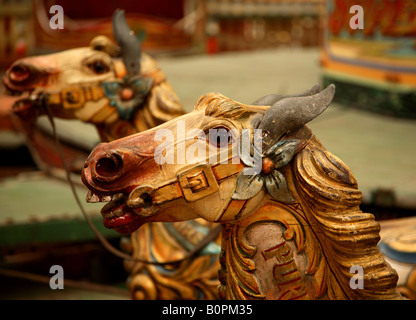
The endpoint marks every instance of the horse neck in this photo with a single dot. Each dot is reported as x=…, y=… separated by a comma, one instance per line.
x=120, y=128
x=272, y=254
x=306, y=249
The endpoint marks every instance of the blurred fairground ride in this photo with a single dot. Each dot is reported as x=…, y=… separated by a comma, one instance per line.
x=373, y=68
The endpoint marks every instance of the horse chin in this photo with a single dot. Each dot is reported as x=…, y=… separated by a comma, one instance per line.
x=23, y=106
x=21, y=103
x=116, y=214
x=126, y=224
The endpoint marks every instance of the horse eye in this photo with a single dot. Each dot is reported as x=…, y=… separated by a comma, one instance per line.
x=220, y=137
x=99, y=67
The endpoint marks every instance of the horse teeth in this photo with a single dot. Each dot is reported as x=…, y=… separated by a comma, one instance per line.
x=119, y=212
x=109, y=215
x=118, y=197
x=105, y=198
x=93, y=198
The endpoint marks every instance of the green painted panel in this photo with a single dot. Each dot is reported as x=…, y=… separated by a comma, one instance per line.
x=56, y=231
x=38, y=209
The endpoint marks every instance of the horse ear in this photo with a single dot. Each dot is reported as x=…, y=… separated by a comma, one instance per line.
x=292, y=113
x=129, y=44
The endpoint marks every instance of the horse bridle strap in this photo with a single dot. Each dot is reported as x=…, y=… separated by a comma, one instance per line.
x=74, y=97
x=192, y=184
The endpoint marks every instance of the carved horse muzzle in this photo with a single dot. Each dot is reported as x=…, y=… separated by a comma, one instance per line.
x=125, y=175
x=108, y=173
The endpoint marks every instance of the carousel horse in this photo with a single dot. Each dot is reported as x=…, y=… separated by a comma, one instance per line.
x=121, y=91
x=289, y=209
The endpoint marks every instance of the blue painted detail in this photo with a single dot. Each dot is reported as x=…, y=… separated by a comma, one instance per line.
x=139, y=85
x=401, y=256
x=211, y=248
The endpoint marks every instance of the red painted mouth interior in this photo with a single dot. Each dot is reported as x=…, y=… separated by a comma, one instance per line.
x=118, y=216
x=126, y=218
x=22, y=105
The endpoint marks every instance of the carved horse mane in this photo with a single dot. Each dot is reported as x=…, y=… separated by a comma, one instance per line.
x=341, y=227
x=292, y=231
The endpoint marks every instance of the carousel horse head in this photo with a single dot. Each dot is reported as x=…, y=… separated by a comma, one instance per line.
x=193, y=165
x=289, y=209
x=101, y=84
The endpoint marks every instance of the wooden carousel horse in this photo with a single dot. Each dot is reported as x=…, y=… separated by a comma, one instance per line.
x=289, y=209
x=121, y=91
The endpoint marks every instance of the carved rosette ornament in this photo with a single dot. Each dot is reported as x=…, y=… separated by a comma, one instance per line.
x=277, y=156
x=128, y=95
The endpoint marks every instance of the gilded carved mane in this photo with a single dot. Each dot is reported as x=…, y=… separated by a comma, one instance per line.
x=218, y=105
x=331, y=204
x=325, y=225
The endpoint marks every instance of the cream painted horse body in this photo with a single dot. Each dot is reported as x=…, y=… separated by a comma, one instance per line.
x=289, y=209
x=94, y=85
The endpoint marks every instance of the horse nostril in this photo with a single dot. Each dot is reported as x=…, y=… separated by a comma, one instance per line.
x=108, y=167
x=20, y=72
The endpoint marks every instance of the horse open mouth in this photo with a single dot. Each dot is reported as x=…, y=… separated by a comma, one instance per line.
x=23, y=105
x=22, y=102
x=117, y=215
